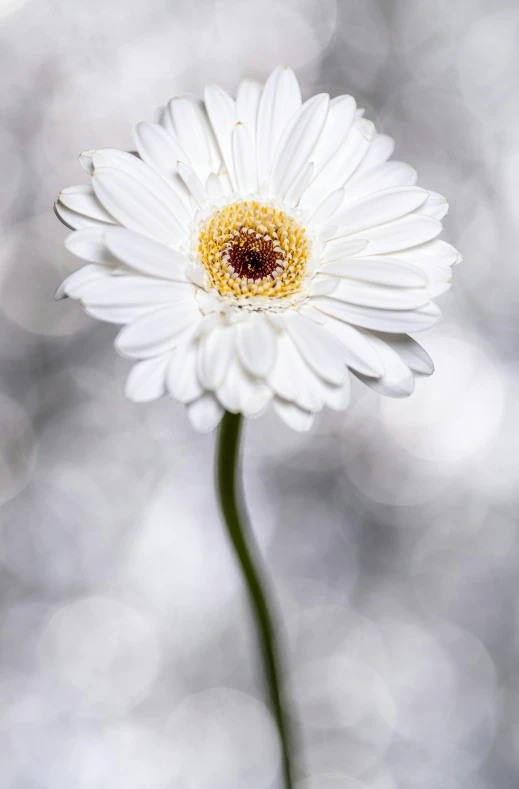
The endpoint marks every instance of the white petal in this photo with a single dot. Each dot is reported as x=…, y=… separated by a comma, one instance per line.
x=311, y=313
x=341, y=165
x=243, y=392
x=293, y=380
x=192, y=181
x=400, y=234
x=378, y=269
x=89, y=244
x=437, y=252
x=195, y=135
x=244, y=160
x=160, y=150
x=147, y=379
x=436, y=206
x=213, y=185
x=383, y=177
x=438, y=288
x=182, y=376
x=208, y=322
x=337, y=397
x=439, y=278
x=195, y=273
x=393, y=321
x=157, y=332
x=163, y=117
x=205, y=414
x=297, y=143
x=434, y=272
x=163, y=152
x=215, y=351
x=75, y=221
x=256, y=344
x=296, y=191
x=247, y=104
x=280, y=100
x=146, y=255
x=359, y=355
x=85, y=160
x=73, y=285
x=336, y=128
x=143, y=174
x=255, y=397
x=119, y=314
x=340, y=248
x=225, y=181
x=82, y=200
x=326, y=210
x=293, y=416
x=318, y=348
x=134, y=206
x=284, y=375
x=228, y=390
x=378, y=208
x=222, y=114
x=311, y=389
x=277, y=319
x=207, y=302
x=383, y=297
x=158, y=115
x=380, y=149
x=121, y=291
x=397, y=380
x=323, y=287
x=416, y=357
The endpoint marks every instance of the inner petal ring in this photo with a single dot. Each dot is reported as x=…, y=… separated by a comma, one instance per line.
x=253, y=249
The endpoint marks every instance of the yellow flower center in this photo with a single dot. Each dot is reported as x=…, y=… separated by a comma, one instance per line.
x=251, y=249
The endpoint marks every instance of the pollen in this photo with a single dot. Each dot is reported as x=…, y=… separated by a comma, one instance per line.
x=252, y=249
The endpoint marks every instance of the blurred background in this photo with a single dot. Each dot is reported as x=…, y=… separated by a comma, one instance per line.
x=127, y=657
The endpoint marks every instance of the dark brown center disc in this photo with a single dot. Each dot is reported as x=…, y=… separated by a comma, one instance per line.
x=252, y=257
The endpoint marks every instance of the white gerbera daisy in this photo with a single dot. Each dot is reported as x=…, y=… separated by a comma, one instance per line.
x=257, y=250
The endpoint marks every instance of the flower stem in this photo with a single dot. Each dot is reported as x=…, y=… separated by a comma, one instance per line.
x=243, y=544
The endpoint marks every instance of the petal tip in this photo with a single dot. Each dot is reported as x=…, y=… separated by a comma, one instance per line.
x=60, y=294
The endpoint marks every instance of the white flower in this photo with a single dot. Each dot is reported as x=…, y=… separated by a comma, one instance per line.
x=258, y=250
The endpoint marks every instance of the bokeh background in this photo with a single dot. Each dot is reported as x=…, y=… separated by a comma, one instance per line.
x=127, y=656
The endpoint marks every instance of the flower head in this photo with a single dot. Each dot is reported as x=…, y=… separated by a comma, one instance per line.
x=257, y=251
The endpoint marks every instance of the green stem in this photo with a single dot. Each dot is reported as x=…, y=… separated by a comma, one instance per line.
x=243, y=544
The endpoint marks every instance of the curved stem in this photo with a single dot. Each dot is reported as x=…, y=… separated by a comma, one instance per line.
x=242, y=541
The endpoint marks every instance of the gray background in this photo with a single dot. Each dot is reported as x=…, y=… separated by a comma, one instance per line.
x=126, y=653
